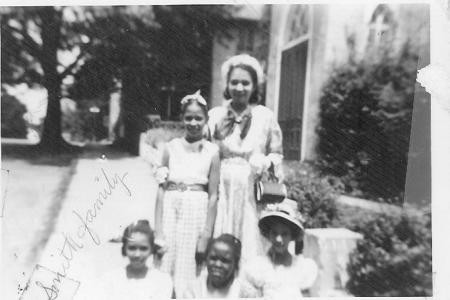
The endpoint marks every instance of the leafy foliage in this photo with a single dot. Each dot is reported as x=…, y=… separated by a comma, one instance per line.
x=366, y=110
x=13, y=123
x=314, y=193
x=394, y=258
x=144, y=47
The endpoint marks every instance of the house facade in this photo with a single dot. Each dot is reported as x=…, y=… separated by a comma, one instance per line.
x=308, y=41
x=302, y=44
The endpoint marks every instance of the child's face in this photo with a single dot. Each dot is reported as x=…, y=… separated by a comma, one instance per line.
x=138, y=249
x=280, y=235
x=194, y=120
x=220, y=263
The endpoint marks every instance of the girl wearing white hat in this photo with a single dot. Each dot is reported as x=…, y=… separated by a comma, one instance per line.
x=279, y=274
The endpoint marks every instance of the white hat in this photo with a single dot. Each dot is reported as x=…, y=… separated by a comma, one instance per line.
x=284, y=212
x=243, y=59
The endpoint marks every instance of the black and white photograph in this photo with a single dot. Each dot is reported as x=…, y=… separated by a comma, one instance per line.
x=178, y=151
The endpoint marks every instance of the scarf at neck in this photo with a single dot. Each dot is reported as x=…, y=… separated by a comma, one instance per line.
x=227, y=125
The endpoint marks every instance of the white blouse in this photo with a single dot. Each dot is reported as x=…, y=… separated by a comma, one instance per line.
x=116, y=285
x=190, y=163
x=199, y=289
x=262, y=278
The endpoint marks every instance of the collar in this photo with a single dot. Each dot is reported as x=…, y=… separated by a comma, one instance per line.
x=238, y=115
x=194, y=147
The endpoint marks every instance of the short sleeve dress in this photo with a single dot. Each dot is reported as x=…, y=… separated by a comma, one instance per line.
x=198, y=289
x=116, y=285
x=261, y=278
x=185, y=212
x=237, y=212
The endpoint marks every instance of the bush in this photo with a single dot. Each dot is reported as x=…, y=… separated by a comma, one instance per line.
x=13, y=123
x=366, y=110
x=394, y=258
x=314, y=193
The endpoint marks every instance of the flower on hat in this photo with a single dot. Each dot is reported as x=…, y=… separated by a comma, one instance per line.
x=286, y=207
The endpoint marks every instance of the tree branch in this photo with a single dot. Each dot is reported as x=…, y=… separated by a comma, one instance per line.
x=33, y=47
x=72, y=66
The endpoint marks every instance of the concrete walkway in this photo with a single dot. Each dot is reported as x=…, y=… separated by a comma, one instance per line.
x=105, y=195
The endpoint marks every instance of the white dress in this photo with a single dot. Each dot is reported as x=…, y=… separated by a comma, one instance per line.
x=185, y=212
x=116, y=285
x=261, y=277
x=237, y=212
x=199, y=289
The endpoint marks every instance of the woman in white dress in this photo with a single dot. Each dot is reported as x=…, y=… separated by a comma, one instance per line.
x=250, y=140
x=278, y=274
x=139, y=280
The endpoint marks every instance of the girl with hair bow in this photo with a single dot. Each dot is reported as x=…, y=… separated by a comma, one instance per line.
x=186, y=201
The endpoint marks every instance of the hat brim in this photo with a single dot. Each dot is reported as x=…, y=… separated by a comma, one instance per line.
x=269, y=218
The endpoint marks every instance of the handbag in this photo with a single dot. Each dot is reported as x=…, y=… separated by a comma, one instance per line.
x=269, y=190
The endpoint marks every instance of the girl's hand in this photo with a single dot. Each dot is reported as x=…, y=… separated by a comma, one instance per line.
x=202, y=244
x=160, y=247
x=161, y=174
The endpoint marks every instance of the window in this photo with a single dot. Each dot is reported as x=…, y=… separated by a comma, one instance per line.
x=298, y=23
x=381, y=27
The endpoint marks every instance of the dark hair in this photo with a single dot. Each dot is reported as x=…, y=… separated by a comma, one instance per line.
x=191, y=101
x=230, y=240
x=142, y=226
x=254, y=97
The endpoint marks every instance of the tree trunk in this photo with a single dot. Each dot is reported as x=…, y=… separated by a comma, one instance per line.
x=51, y=140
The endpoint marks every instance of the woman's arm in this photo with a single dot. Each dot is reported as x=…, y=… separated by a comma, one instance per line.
x=274, y=149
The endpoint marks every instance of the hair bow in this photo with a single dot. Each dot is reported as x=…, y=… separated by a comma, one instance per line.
x=194, y=97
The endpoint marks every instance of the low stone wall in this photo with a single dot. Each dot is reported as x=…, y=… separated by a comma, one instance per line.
x=330, y=248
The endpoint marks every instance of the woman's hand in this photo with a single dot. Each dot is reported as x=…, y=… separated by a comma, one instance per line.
x=259, y=163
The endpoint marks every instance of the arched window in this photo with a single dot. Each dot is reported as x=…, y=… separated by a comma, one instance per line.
x=298, y=23
x=381, y=27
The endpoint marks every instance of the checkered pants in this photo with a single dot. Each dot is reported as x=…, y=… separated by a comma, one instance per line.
x=184, y=218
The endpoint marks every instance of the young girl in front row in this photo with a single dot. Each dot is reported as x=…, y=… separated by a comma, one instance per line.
x=186, y=202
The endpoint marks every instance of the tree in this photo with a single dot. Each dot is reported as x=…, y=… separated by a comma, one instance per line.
x=144, y=47
x=13, y=123
x=31, y=39
x=147, y=48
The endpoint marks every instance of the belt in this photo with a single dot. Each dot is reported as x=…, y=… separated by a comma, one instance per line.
x=182, y=187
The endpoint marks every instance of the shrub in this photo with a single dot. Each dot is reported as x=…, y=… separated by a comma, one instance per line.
x=314, y=193
x=366, y=110
x=13, y=123
x=394, y=258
